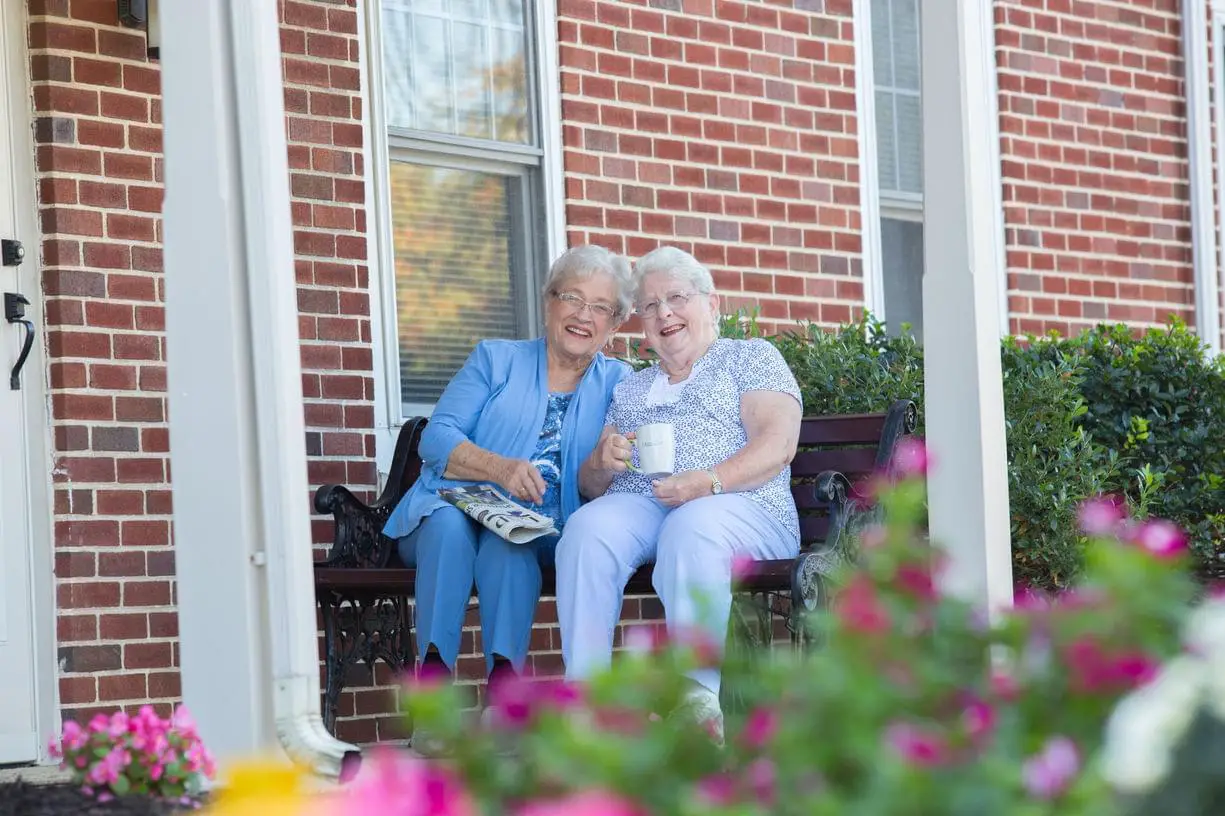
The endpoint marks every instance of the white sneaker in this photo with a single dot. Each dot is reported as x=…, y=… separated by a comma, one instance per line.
x=701, y=706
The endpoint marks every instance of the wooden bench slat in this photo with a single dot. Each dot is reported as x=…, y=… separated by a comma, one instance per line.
x=850, y=462
x=845, y=429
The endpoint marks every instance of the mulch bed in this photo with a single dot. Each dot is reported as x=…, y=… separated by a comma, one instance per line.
x=24, y=799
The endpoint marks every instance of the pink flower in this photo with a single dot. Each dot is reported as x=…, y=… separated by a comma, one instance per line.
x=645, y=638
x=911, y=460
x=978, y=719
x=700, y=643
x=743, y=568
x=1102, y=516
x=118, y=724
x=1050, y=772
x=397, y=784
x=921, y=747
x=1004, y=685
x=916, y=581
x=1161, y=538
x=518, y=700
x=760, y=728
x=1093, y=670
x=859, y=607
x=584, y=803
x=762, y=779
x=873, y=537
x=717, y=790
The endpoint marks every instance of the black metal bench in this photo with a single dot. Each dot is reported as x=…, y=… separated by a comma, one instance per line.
x=364, y=592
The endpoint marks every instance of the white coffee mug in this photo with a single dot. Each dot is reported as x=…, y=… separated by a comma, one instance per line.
x=656, y=444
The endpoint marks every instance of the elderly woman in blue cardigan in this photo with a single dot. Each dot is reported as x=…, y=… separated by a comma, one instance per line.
x=522, y=414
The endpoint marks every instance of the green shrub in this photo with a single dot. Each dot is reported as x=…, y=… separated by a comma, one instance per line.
x=1157, y=400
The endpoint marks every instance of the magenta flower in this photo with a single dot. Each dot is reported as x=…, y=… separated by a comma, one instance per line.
x=743, y=568
x=859, y=607
x=717, y=790
x=911, y=459
x=1102, y=516
x=1051, y=771
x=585, y=803
x=1161, y=538
x=398, y=784
x=978, y=719
x=916, y=581
x=760, y=728
x=917, y=746
x=761, y=777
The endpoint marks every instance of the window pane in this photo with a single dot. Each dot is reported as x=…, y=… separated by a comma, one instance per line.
x=466, y=64
x=902, y=259
x=886, y=141
x=882, y=45
x=905, y=34
x=455, y=262
x=909, y=144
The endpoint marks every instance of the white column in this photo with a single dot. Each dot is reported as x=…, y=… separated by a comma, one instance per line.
x=968, y=486
x=1200, y=159
x=242, y=538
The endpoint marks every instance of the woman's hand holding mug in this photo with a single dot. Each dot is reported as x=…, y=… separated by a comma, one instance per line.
x=613, y=452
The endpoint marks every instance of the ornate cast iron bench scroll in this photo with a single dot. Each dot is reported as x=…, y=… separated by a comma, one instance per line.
x=364, y=593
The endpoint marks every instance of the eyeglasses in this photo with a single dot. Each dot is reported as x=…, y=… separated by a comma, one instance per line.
x=604, y=311
x=675, y=300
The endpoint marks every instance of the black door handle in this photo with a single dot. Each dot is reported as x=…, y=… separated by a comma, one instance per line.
x=15, y=312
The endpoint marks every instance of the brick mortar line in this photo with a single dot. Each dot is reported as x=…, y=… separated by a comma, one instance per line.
x=690, y=165
x=687, y=89
x=722, y=217
x=717, y=142
x=719, y=47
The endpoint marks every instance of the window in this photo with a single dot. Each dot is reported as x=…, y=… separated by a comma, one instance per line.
x=461, y=106
x=899, y=158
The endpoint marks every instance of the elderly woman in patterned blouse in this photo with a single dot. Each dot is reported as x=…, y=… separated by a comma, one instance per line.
x=735, y=409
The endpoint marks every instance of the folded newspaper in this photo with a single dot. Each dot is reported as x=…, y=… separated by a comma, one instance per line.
x=489, y=507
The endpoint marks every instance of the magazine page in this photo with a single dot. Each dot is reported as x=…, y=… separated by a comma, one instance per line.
x=495, y=511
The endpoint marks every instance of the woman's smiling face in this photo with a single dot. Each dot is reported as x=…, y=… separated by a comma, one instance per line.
x=582, y=315
x=679, y=322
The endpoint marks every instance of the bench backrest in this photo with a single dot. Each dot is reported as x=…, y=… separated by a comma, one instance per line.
x=846, y=448
x=839, y=453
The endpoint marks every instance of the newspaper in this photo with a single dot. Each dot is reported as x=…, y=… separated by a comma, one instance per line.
x=486, y=505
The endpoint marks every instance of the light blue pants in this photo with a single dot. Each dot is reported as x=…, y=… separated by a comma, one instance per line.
x=693, y=547
x=450, y=552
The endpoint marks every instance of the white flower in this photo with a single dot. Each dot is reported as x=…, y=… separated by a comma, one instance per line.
x=1204, y=636
x=1147, y=724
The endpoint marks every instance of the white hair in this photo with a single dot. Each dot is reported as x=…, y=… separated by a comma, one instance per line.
x=585, y=261
x=675, y=263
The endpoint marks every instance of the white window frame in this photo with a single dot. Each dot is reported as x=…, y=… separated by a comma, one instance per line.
x=1206, y=107
x=384, y=145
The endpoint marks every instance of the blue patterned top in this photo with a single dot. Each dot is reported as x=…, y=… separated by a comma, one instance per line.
x=547, y=458
x=705, y=412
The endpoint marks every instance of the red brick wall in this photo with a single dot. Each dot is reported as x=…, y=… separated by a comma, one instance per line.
x=98, y=113
x=724, y=127
x=1093, y=127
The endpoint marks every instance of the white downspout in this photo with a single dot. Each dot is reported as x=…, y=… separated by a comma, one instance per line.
x=1200, y=171
x=247, y=610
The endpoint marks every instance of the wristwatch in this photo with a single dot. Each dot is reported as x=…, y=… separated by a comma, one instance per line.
x=716, y=486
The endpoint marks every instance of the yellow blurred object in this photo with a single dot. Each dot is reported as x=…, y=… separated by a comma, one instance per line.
x=262, y=788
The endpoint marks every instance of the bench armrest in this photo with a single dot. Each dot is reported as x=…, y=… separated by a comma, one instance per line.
x=358, y=532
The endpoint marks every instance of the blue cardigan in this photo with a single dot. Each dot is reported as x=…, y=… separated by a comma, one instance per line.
x=497, y=401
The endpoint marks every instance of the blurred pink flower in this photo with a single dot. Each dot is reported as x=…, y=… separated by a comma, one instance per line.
x=978, y=719
x=1101, y=516
x=518, y=700
x=916, y=580
x=859, y=607
x=873, y=537
x=911, y=458
x=585, y=803
x=1050, y=772
x=705, y=649
x=397, y=784
x=645, y=638
x=1004, y=685
x=1093, y=670
x=761, y=777
x=1161, y=538
x=921, y=747
x=718, y=790
x=760, y=727
x=743, y=568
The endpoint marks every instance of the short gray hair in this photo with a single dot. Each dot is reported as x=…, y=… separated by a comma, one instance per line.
x=582, y=262
x=675, y=263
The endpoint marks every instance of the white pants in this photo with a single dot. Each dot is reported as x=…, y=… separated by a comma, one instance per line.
x=693, y=547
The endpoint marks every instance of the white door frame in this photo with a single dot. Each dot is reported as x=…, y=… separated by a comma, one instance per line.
x=13, y=18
